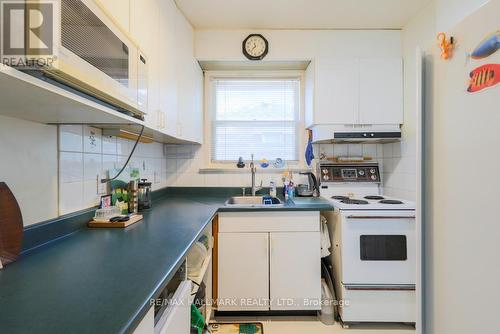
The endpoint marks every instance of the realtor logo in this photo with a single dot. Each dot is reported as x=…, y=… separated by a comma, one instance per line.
x=27, y=32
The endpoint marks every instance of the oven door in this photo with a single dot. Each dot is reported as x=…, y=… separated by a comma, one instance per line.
x=378, y=248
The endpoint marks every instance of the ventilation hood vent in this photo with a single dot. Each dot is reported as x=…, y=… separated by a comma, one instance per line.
x=356, y=133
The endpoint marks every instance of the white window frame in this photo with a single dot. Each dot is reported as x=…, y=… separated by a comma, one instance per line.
x=210, y=76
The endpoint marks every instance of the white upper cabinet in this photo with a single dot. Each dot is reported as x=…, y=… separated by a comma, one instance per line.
x=336, y=91
x=167, y=69
x=175, y=78
x=144, y=29
x=354, y=91
x=380, y=91
x=189, y=83
x=119, y=10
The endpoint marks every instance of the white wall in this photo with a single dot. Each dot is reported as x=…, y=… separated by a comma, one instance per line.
x=28, y=164
x=225, y=45
x=451, y=12
x=285, y=45
x=400, y=160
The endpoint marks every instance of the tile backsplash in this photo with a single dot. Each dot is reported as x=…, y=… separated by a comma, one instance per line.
x=85, y=156
x=374, y=151
x=397, y=163
x=400, y=169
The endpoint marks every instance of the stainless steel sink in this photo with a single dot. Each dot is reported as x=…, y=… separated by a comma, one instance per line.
x=252, y=201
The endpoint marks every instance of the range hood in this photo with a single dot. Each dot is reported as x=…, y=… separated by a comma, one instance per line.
x=356, y=133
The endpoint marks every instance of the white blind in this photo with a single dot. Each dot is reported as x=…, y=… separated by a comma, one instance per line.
x=255, y=116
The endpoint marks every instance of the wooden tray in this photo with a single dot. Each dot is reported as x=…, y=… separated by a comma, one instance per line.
x=346, y=160
x=132, y=220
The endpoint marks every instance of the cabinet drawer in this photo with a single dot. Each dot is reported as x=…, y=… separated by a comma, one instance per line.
x=378, y=305
x=289, y=221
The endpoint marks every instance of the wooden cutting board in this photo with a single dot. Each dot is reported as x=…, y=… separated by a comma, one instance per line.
x=11, y=226
x=132, y=220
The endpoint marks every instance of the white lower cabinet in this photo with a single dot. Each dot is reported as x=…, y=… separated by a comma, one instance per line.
x=243, y=272
x=177, y=318
x=147, y=324
x=295, y=270
x=272, y=264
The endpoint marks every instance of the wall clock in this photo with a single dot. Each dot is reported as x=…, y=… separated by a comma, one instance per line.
x=255, y=47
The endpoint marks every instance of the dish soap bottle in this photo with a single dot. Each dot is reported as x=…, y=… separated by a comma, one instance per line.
x=291, y=190
x=272, y=191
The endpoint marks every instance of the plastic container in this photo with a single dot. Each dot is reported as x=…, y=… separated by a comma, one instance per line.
x=327, y=314
x=104, y=215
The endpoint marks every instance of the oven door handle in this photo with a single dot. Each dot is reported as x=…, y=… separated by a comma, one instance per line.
x=380, y=217
x=380, y=287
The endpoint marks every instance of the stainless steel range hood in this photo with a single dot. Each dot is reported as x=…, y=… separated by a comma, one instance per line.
x=356, y=133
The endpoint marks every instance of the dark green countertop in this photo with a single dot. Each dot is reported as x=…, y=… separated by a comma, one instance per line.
x=101, y=280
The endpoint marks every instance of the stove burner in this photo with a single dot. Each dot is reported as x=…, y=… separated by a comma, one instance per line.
x=354, y=201
x=340, y=198
x=390, y=201
x=374, y=197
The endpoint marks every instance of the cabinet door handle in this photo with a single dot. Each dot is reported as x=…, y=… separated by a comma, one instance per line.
x=380, y=217
x=270, y=244
x=382, y=287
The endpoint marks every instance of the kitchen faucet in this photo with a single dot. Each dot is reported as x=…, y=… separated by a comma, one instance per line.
x=253, y=170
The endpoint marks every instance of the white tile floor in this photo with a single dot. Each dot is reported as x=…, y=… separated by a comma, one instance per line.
x=310, y=325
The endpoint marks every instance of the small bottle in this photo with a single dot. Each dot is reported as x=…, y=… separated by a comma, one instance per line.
x=291, y=190
x=272, y=191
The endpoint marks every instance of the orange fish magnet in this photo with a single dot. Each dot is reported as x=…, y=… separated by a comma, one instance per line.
x=483, y=77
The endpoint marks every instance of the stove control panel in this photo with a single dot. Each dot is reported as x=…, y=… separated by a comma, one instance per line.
x=350, y=173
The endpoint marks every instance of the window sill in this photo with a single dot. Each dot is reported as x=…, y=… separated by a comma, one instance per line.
x=269, y=170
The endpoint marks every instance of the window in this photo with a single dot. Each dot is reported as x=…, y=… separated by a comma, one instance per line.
x=255, y=116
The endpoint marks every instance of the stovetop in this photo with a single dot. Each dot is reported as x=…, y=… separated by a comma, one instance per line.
x=369, y=202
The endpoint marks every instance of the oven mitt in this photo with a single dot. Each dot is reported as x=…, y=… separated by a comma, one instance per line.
x=309, y=152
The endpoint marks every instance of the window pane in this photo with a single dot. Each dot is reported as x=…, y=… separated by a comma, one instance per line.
x=256, y=100
x=269, y=140
x=255, y=116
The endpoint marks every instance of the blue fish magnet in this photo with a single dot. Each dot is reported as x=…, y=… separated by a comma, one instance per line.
x=487, y=47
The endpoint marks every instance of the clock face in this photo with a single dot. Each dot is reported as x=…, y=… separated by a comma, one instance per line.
x=255, y=47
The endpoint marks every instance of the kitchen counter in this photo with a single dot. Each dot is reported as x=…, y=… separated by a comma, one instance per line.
x=102, y=280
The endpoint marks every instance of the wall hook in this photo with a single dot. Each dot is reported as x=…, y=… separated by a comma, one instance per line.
x=445, y=46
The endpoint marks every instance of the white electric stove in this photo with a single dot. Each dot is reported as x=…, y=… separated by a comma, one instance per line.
x=374, y=250
x=356, y=187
